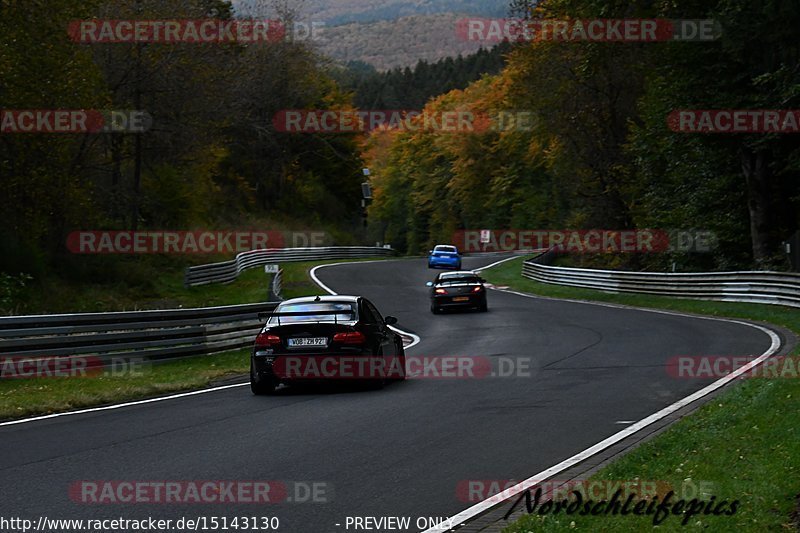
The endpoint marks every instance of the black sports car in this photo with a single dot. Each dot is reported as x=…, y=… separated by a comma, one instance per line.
x=323, y=338
x=458, y=289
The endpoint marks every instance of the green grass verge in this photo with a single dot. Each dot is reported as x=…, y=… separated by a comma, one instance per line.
x=30, y=397
x=744, y=445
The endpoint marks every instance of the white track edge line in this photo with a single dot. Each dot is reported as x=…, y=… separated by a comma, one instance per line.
x=481, y=507
x=121, y=405
x=495, y=264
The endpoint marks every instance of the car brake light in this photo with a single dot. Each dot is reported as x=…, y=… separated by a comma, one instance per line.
x=265, y=339
x=477, y=289
x=350, y=337
x=441, y=291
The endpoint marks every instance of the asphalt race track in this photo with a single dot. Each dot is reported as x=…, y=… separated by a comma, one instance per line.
x=400, y=451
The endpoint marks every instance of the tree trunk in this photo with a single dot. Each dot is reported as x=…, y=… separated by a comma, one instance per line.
x=755, y=166
x=137, y=161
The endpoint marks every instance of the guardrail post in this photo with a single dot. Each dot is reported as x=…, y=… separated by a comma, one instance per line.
x=793, y=249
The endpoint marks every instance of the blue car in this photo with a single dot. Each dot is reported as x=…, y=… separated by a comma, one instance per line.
x=446, y=256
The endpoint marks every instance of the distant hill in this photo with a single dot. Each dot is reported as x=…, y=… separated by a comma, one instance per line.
x=393, y=33
x=397, y=43
x=338, y=12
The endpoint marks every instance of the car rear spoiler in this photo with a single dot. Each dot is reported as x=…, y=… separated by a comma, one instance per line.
x=335, y=314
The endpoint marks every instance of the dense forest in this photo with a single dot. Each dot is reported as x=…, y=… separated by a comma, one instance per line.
x=409, y=88
x=601, y=154
x=211, y=159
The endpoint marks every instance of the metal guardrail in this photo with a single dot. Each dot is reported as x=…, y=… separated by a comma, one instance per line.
x=137, y=335
x=228, y=271
x=778, y=288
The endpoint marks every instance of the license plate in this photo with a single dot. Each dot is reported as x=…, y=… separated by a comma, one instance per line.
x=461, y=299
x=306, y=341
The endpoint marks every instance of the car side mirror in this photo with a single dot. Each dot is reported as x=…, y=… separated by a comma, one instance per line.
x=390, y=320
x=429, y=284
x=483, y=280
x=263, y=316
x=430, y=251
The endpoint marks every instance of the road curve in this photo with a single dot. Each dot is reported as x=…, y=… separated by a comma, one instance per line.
x=401, y=451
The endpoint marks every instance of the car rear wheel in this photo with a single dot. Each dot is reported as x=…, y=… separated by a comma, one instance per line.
x=259, y=385
x=484, y=307
x=435, y=310
x=376, y=384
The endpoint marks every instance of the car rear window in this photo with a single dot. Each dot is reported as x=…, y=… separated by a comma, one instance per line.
x=450, y=249
x=346, y=316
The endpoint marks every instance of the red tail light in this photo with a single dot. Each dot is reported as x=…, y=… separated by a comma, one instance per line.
x=350, y=337
x=265, y=339
x=440, y=291
x=477, y=289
